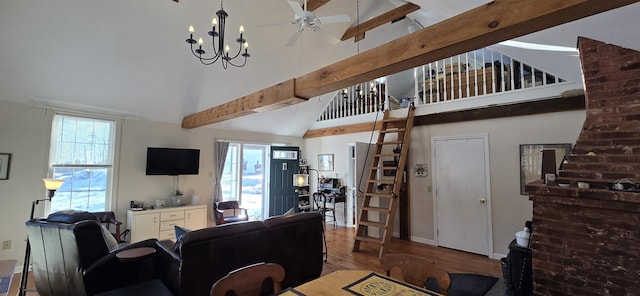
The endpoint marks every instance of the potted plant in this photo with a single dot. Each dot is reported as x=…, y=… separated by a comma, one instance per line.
x=176, y=197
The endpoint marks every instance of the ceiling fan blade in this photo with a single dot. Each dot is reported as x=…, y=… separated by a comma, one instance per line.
x=296, y=8
x=294, y=38
x=327, y=36
x=340, y=18
x=274, y=25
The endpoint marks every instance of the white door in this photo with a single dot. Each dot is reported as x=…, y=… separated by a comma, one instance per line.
x=360, y=158
x=461, y=183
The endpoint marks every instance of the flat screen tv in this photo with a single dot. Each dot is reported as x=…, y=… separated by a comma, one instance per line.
x=172, y=161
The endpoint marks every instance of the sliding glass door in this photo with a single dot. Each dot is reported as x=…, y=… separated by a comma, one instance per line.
x=244, y=177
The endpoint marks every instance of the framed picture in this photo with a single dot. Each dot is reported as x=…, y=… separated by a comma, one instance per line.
x=531, y=161
x=325, y=162
x=5, y=165
x=421, y=170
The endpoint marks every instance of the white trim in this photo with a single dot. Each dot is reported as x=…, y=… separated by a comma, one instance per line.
x=496, y=99
x=498, y=256
x=424, y=241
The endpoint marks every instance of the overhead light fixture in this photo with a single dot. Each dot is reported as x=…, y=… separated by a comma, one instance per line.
x=221, y=51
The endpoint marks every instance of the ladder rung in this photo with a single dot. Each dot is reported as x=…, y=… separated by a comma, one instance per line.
x=384, y=168
x=385, y=181
x=373, y=224
x=369, y=239
x=390, y=143
x=395, y=119
x=392, y=130
x=386, y=154
x=379, y=194
x=375, y=209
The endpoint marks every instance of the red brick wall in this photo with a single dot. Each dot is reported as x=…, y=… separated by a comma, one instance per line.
x=587, y=241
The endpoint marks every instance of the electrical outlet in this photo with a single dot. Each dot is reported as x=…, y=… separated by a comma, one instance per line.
x=6, y=245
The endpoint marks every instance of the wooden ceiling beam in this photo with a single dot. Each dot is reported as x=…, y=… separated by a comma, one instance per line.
x=485, y=25
x=479, y=27
x=358, y=31
x=275, y=97
x=315, y=4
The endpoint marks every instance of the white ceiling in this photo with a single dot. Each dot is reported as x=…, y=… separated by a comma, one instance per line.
x=129, y=57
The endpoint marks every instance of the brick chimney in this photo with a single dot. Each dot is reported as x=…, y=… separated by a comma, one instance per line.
x=587, y=241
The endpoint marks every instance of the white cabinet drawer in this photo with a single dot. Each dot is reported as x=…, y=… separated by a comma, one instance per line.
x=174, y=215
x=168, y=225
x=167, y=234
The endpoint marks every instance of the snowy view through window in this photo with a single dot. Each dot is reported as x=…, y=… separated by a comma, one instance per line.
x=243, y=180
x=81, y=155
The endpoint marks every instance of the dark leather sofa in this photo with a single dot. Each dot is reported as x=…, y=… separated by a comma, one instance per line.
x=199, y=258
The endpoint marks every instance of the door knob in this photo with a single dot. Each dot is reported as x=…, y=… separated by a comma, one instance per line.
x=482, y=200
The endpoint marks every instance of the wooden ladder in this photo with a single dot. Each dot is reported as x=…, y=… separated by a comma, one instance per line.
x=379, y=204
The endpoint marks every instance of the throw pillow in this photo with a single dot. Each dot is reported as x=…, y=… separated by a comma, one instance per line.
x=109, y=240
x=180, y=231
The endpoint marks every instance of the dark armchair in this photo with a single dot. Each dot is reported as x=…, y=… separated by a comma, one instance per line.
x=72, y=256
x=220, y=207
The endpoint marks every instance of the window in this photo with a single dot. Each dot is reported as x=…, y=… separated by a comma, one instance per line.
x=82, y=154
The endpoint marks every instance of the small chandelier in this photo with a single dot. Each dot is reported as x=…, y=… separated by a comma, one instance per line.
x=221, y=51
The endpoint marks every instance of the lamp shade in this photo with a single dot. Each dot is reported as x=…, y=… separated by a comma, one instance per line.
x=52, y=184
x=300, y=180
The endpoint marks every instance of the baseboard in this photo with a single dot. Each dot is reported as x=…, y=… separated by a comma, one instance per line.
x=498, y=256
x=423, y=240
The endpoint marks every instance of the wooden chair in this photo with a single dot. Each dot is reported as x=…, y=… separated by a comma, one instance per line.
x=107, y=219
x=239, y=214
x=248, y=280
x=415, y=270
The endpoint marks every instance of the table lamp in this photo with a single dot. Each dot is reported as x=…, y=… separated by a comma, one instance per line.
x=51, y=185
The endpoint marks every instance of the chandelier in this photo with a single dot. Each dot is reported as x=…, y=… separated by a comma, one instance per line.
x=221, y=51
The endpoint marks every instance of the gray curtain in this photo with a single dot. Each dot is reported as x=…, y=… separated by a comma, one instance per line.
x=220, y=149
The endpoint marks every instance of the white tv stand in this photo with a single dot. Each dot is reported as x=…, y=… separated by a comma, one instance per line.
x=159, y=223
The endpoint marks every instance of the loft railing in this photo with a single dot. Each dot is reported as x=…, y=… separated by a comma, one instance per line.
x=357, y=99
x=476, y=73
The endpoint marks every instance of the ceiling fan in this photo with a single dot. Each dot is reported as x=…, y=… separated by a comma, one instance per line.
x=307, y=19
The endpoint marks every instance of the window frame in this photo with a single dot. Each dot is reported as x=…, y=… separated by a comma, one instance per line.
x=113, y=151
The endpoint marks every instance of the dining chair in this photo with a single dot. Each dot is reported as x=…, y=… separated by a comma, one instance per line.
x=326, y=206
x=414, y=270
x=249, y=280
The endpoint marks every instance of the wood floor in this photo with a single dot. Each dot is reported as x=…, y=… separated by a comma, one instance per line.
x=340, y=242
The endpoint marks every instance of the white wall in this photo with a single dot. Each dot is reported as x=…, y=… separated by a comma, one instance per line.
x=25, y=132
x=510, y=209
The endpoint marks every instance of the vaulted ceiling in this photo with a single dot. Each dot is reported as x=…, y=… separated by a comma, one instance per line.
x=130, y=57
